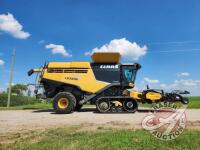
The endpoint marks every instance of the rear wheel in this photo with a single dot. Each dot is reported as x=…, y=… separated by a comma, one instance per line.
x=64, y=103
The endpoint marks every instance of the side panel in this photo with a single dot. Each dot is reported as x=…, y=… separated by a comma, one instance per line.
x=136, y=95
x=82, y=78
x=106, y=72
x=153, y=96
x=73, y=64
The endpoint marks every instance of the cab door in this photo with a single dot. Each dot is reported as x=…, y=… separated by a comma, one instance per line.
x=127, y=77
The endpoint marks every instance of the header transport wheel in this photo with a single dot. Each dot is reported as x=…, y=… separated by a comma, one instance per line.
x=130, y=105
x=185, y=100
x=64, y=103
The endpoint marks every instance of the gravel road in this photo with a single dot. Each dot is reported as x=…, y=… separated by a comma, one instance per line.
x=12, y=121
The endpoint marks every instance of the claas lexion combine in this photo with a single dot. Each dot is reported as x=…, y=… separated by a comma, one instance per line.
x=104, y=82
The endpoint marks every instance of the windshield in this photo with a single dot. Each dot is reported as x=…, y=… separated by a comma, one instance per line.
x=129, y=74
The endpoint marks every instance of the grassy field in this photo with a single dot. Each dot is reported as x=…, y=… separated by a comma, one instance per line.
x=194, y=103
x=35, y=106
x=29, y=106
x=102, y=138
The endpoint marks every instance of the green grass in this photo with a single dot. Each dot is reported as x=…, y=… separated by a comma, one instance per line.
x=109, y=139
x=29, y=106
x=194, y=102
x=46, y=105
x=17, y=100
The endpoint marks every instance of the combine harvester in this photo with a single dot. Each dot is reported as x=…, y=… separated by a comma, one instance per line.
x=103, y=82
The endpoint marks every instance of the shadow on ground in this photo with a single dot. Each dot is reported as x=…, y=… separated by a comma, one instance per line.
x=42, y=110
x=91, y=110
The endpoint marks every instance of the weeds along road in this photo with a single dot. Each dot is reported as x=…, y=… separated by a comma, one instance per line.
x=12, y=121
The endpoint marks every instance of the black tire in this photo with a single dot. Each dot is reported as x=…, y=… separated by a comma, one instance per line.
x=184, y=100
x=103, y=105
x=133, y=105
x=70, y=100
x=78, y=107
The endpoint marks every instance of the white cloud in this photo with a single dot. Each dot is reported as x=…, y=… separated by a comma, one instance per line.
x=163, y=86
x=41, y=42
x=10, y=25
x=193, y=86
x=1, y=62
x=189, y=82
x=151, y=81
x=58, y=49
x=128, y=50
x=183, y=74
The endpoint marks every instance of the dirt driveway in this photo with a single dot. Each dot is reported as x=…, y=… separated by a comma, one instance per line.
x=12, y=121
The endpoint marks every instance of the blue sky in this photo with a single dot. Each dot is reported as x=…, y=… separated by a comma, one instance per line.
x=169, y=29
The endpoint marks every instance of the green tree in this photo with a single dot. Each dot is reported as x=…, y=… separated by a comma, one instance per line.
x=29, y=92
x=19, y=88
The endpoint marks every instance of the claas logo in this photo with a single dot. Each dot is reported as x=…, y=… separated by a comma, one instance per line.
x=109, y=66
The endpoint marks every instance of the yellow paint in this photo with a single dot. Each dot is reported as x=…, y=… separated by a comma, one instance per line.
x=153, y=96
x=63, y=103
x=106, y=57
x=69, y=65
x=135, y=95
x=86, y=81
x=150, y=95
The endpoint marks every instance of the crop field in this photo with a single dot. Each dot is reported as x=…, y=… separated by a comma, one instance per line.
x=194, y=102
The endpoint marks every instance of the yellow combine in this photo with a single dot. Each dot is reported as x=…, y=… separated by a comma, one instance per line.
x=103, y=82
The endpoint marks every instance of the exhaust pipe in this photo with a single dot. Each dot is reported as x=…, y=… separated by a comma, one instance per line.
x=30, y=72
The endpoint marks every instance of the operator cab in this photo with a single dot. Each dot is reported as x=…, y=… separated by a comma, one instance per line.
x=128, y=75
x=109, y=72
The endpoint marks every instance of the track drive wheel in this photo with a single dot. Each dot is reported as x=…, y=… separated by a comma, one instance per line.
x=103, y=105
x=64, y=103
x=130, y=105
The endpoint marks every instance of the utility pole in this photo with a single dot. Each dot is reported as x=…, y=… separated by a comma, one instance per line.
x=11, y=77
